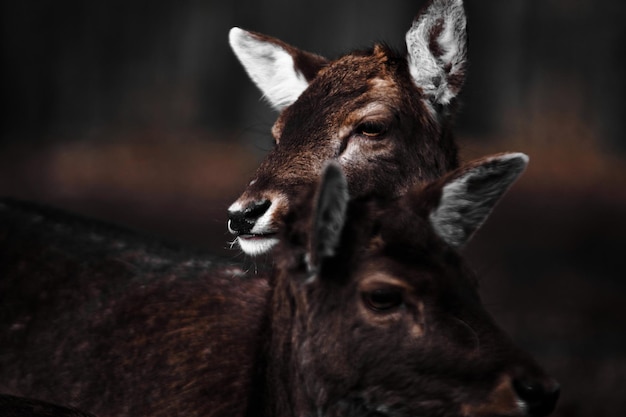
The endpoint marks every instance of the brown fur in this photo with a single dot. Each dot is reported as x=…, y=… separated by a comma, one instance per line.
x=11, y=406
x=103, y=320
x=439, y=354
x=414, y=142
x=326, y=120
x=116, y=324
x=415, y=147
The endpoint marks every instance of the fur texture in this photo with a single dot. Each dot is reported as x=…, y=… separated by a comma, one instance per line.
x=381, y=319
x=384, y=116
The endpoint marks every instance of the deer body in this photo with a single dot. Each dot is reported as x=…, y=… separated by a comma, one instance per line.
x=117, y=324
x=369, y=311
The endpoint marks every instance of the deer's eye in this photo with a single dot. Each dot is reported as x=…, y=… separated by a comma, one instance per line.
x=371, y=129
x=384, y=299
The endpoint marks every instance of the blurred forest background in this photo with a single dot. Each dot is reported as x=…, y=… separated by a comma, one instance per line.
x=136, y=112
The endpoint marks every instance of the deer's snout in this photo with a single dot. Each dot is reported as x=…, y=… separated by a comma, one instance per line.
x=527, y=394
x=539, y=397
x=241, y=222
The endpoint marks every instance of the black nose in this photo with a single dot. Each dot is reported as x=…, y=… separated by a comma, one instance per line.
x=539, y=398
x=241, y=222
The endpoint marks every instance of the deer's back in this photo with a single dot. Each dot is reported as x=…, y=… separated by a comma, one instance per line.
x=99, y=318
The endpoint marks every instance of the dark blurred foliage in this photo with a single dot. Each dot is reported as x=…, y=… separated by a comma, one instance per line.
x=70, y=67
x=137, y=112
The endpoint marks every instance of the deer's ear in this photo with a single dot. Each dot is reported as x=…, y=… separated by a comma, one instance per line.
x=329, y=216
x=281, y=71
x=436, y=45
x=467, y=195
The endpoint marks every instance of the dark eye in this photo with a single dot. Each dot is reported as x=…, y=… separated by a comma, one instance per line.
x=383, y=299
x=371, y=129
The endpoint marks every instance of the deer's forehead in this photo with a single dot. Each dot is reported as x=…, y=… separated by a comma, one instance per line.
x=352, y=76
x=340, y=100
x=421, y=276
x=345, y=86
x=376, y=278
x=404, y=247
x=378, y=268
x=361, y=63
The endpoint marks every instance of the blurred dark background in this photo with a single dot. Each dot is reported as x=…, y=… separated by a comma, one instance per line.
x=137, y=112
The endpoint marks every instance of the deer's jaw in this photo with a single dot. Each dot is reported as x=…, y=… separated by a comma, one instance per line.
x=255, y=245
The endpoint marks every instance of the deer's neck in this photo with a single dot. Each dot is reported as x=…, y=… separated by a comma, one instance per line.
x=286, y=386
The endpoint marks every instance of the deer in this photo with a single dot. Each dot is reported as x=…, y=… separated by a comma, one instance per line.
x=385, y=116
x=370, y=310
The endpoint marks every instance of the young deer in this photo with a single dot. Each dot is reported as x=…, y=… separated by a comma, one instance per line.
x=385, y=117
x=370, y=311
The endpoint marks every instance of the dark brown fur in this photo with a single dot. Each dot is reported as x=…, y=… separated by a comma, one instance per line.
x=106, y=321
x=116, y=324
x=441, y=354
x=326, y=121
x=415, y=147
x=11, y=406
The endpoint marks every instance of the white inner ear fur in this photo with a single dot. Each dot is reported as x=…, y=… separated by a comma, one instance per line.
x=446, y=219
x=462, y=211
x=430, y=72
x=270, y=67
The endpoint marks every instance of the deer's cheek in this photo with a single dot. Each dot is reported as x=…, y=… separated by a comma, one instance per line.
x=363, y=153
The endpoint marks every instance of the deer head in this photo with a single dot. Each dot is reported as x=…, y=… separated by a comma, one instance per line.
x=383, y=116
x=380, y=316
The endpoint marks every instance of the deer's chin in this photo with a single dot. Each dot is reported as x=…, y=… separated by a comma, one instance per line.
x=255, y=245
